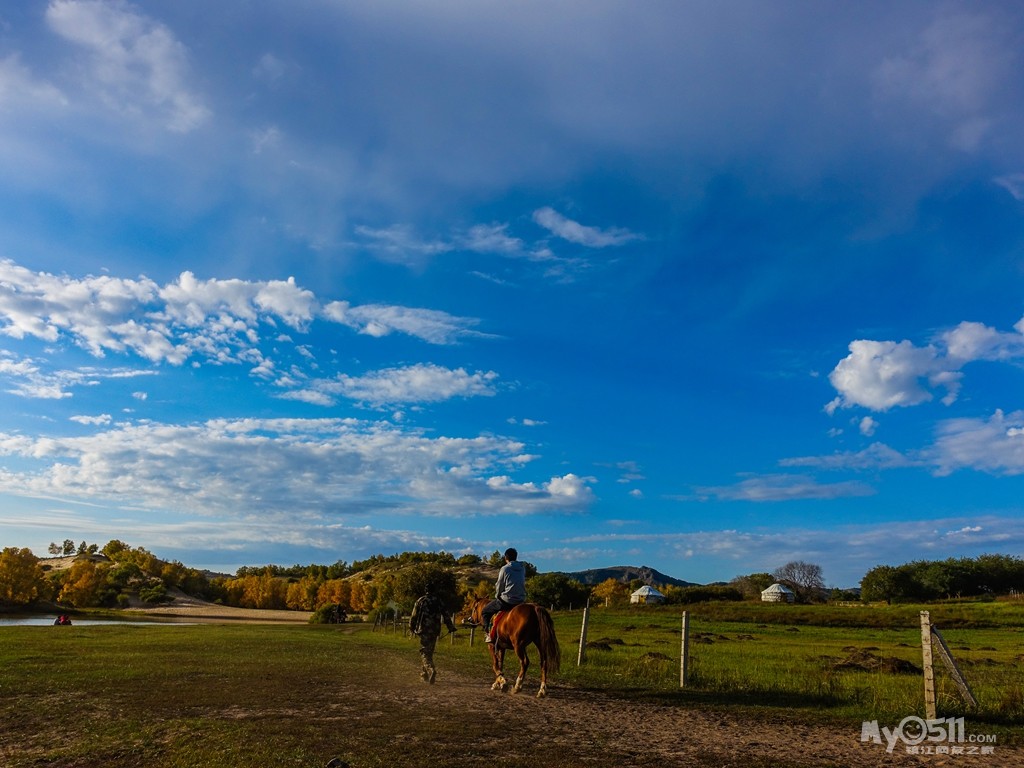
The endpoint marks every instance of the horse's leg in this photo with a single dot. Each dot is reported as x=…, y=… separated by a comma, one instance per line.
x=498, y=662
x=543, y=673
x=524, y=663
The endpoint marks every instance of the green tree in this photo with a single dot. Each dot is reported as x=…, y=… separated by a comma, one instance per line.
x=557, y=590
x=496, y=560
x=706, y=594
x=884, y=582
x=413, y=582
x=753, y=584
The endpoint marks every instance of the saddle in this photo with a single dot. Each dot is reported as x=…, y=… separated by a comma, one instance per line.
x=495, y=623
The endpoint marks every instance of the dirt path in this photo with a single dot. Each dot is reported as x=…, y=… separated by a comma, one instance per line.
x=590, y=728
x=598, y=729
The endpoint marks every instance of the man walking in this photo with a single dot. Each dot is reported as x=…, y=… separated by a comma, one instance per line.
x=425, y=622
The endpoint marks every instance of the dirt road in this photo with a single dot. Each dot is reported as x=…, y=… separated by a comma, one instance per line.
x=573, y=727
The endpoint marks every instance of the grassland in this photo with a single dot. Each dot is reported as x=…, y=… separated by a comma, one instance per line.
x=260, y=695
x=853, y=662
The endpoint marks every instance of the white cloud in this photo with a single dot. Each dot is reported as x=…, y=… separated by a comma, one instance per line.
x=952, y=72
x=30, y=378
x=783, y=488
x=492, y=238
x=19, y=88
x=880, y=375
x=288, y=468
x=422, y=383
x=400, y=244
x=219, y=320
x=574, y=232
x=102, y=419
x=379, y=320
x=875, y=457
x=570, y=486
x=135, y=64
x=994, y=445
x=1012, y=183
x=868, y=426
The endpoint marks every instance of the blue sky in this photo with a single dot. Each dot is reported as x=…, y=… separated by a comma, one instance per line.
x=707, y=287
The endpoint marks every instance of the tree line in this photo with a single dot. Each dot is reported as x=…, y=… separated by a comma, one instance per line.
x=112, y=575
x=927, y=580
x=116, y=573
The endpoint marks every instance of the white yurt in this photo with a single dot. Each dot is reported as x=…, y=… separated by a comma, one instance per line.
x=778, y=593
x=646, y=595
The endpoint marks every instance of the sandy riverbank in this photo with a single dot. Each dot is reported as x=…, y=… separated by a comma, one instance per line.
x=193, y=609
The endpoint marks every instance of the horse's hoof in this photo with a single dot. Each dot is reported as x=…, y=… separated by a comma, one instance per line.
x=542, y=692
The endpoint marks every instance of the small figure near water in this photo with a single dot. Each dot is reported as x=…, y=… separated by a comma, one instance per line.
x=62, y=621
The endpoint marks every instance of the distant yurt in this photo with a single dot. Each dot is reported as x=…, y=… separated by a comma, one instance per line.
x=646, y=596
x=778, y=593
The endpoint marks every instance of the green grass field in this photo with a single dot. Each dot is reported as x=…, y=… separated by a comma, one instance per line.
x=231, y=695
x=810, y=657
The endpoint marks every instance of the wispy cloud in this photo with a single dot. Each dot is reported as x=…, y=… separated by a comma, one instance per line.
x=574, y=232
x=31, y=378
x=784, y=488
x=876, y=456
x=20, y=88
x=994, y=445
x=952, y=71
x=422, y=383
x=135, y=64
x=378, y=320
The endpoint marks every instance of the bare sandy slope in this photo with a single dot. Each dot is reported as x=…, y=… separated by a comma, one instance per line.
x=194, y=609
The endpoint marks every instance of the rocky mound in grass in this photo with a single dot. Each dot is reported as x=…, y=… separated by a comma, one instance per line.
x=862, y=659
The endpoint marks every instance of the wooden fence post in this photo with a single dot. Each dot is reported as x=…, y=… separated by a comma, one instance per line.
x=583, y=635
x=929, y=670
x=684, y=653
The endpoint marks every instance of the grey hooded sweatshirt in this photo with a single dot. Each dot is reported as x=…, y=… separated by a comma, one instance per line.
x=511, y=585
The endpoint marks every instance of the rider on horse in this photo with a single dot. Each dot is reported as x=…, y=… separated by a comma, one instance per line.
x=510, y=589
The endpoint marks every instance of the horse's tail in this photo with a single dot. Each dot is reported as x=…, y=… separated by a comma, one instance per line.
x=548, y=642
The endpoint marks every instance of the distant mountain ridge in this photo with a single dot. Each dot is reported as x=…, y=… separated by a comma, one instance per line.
x=626, y=574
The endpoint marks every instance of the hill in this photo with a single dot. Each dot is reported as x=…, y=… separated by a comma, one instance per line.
x=627, y=573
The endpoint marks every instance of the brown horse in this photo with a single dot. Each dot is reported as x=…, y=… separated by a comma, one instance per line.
x=516, y=629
